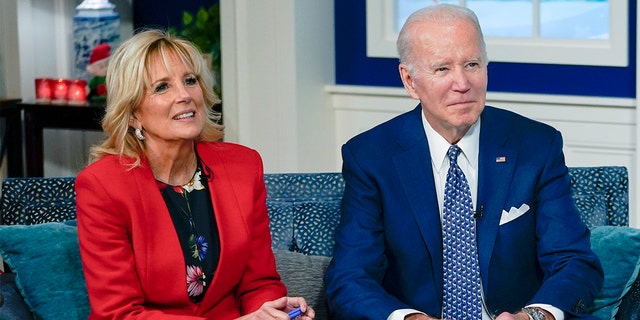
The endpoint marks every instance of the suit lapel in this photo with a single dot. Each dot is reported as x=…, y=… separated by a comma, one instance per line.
x=158, y=225
x=497, y=160
x=231, y=227
x=413, y=166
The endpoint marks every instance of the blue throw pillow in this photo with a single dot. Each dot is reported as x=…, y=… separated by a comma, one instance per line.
x=619, y=251
x=46, y=260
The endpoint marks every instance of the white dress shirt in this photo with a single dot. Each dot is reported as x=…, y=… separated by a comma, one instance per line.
x=468, y=162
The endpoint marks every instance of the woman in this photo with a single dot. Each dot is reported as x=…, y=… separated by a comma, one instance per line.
x=172, y=223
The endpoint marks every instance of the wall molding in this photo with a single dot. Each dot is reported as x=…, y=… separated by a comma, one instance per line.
x=597, y=131
x=493, y=96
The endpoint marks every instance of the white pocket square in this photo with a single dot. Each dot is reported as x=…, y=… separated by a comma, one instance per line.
x=513, y=213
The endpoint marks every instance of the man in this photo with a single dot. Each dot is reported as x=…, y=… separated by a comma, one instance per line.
x=391, y=259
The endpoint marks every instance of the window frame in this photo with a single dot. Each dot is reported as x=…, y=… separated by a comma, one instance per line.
x=381, y=38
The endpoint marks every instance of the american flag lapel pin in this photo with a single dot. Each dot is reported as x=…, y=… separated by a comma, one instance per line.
x=501, y=159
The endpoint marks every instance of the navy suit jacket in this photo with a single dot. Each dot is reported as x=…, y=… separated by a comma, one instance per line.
x=388, y=252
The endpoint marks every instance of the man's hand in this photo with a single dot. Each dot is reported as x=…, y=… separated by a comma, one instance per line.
x=418, y=316
x=523, y=316
x=513, y=316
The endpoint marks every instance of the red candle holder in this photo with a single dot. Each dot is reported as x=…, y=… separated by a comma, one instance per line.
x=43, y=90
x=77, y=92
x=60, y=90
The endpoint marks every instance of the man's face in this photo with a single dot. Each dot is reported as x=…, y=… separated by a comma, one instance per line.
x=449, y=76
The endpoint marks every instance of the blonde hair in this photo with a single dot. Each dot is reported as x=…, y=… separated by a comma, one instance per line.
x=127, y=79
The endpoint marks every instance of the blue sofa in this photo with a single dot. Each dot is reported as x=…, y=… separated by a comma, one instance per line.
x=38, y=241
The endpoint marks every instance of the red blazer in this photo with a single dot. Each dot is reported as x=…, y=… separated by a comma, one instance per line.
x=132, y=260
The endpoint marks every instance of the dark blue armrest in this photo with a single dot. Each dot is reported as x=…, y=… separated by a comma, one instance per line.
x=630, y=305
x=12, y=306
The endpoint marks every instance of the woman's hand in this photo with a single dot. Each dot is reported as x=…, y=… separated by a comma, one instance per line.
x=278, y=309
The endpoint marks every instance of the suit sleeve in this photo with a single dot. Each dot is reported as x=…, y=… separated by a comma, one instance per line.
x=355, y=274
x=572, y=272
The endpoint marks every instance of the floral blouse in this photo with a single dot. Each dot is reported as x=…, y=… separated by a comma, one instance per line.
x=191, y=210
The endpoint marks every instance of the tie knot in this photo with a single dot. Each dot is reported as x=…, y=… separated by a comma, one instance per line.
x=453, y=153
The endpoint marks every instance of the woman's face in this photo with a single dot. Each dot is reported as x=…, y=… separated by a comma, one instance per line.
x=172, y=110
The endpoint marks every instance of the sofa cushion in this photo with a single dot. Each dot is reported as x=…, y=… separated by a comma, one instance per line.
x=619, y=251
x=613, y=182
x=37, y=200
x=306, y=225
x=281, y=224
x=592, y=207
x=315, y=223
x=46, y=260
x=304, y=210
x=303, y=275
x=630, y=305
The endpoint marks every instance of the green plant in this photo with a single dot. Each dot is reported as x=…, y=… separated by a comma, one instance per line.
x=203, y=29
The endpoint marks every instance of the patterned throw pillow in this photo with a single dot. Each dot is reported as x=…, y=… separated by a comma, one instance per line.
x=592, y=207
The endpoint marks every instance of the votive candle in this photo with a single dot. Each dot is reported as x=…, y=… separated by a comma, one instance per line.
x=43, y=90
x=60, y=89
x=77, y=92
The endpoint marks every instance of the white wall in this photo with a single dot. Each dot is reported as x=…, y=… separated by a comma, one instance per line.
x=277, y=55
x=272, y=96
x=279, y=97
x=596, y=131
x=635, y=193
x=9, y=57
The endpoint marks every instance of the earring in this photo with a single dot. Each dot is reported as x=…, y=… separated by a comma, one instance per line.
x=139, y=135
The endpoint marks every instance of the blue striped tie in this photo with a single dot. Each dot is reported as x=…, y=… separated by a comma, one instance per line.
x=461, y=270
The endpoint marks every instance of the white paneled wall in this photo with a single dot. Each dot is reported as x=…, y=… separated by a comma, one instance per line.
x=596, y=131
x=277, y=56
x=279, y=97
x=278, y=92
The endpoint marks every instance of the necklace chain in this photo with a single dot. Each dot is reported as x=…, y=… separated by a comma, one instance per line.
x=185, y=189
x=189, y=183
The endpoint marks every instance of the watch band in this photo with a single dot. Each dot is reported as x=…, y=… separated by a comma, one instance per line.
x=534, y=314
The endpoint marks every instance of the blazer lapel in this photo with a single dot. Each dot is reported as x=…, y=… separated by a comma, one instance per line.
x=158, y=224
x=495, y=173
x=416, y=174
x=230, y=226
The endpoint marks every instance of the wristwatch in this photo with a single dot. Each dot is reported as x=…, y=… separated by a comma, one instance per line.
x=534, y=314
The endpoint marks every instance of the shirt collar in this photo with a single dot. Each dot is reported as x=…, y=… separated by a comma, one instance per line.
x=438, y=146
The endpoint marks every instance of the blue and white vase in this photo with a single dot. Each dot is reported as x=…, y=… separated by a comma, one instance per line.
x=95, y=23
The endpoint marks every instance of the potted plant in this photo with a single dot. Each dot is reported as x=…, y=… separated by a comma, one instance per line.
x=203, y=29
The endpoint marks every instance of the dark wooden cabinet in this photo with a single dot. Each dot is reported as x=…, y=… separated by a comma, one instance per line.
x=25, y=122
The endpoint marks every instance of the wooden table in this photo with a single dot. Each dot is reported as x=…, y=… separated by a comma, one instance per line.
x=24, y=131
